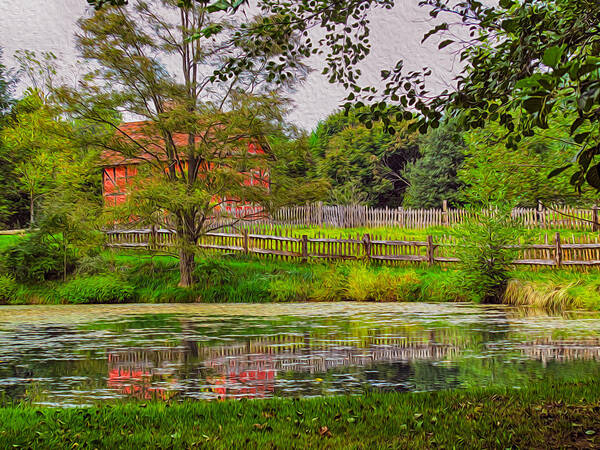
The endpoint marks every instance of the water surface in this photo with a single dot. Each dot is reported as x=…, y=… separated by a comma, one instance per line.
x=79, y=355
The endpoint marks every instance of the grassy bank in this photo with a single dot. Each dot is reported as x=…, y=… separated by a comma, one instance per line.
x=126, y=277
x=123, y=278
x=543, y=416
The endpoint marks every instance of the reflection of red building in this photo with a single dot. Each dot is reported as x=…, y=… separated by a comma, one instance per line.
x=134, y=381
x=250, y=383
x=119, y=171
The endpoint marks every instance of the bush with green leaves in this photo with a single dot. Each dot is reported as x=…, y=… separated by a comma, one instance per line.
x=487, y=244
x=8, y=289
x=36, y=258
x=96, y=289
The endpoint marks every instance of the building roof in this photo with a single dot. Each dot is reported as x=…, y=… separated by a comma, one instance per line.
x=140, y=133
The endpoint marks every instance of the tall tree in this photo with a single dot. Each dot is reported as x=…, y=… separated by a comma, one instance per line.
x=197, y=126
x=12, y=203
x=33, y=137
x=521, y=173
x=433, y=177
x=363, y=163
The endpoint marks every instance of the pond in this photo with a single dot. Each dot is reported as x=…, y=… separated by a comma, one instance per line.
x=81, y=355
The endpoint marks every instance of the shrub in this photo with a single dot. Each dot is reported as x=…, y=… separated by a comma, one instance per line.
x=92, y=265
x=96, y=289
x=486, y=248
x=8, y=289
x=34, y=259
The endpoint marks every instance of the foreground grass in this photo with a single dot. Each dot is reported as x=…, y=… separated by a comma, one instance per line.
x=544, y=416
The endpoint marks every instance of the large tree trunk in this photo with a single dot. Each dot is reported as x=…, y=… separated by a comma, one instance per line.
x=186, y=266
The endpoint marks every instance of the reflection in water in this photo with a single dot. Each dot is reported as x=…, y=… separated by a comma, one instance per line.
x=67, y=357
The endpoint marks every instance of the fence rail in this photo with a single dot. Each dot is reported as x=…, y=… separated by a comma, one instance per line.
x=354, y=216
x=581, y=251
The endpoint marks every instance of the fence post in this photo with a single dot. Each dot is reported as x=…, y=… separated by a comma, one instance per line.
x=304, y=248
x=540, y=213
x=595, y=218
x=320, y=213
x=152, y=243
x=557, y=250
x=445, y=212
x=367, y=245
x=245, y=240
x=430, y=249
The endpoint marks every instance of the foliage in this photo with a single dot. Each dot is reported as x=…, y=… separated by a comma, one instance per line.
x=8, y=289
x=522, y=172
x=524, y=61
x=12, y=202
x=197, y=124
x=558, y=413
x=36, y=258
x=96, y=289
x=71, y=209
x=433, y=177
x=363, y=164
x=33, y=138
x=487, y=243
x=293, y=180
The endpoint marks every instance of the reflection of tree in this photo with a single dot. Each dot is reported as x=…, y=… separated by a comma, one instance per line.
x=160, y=356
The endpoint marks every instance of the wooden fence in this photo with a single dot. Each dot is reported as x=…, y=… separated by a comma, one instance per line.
x=555, y=252
x=354, y=216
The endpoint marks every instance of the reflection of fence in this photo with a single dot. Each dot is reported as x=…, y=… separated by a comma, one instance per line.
x=562, y=350
x=352, y=216
x=580, y=251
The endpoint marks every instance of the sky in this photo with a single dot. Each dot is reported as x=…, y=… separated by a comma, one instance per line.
x=49, y=25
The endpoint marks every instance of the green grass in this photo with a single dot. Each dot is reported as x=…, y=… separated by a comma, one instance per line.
x=236, y=279
x=546, y=415
x=6, y=240
x=555, y=289
x=128, y=276
x=137, y=277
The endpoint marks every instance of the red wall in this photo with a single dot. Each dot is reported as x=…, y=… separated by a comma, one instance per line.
x=117, y=179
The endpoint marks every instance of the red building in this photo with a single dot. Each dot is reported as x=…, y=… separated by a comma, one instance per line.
x=119, y=171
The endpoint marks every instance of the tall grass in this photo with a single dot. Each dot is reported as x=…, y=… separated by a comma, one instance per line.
x=549, y=295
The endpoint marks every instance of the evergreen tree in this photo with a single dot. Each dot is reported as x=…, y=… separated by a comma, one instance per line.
x=433, y=177
x=362, y=162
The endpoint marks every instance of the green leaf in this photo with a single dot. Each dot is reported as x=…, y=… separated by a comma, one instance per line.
x=211, y=30
x=552, y=56
x=593, y=176
x=220, y=5
x=533, y=104
x=445, y=43
x=558, y=171
x=443, y=26
x=581, y=137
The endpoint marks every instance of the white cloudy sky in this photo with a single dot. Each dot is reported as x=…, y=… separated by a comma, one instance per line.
x=49, y=25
